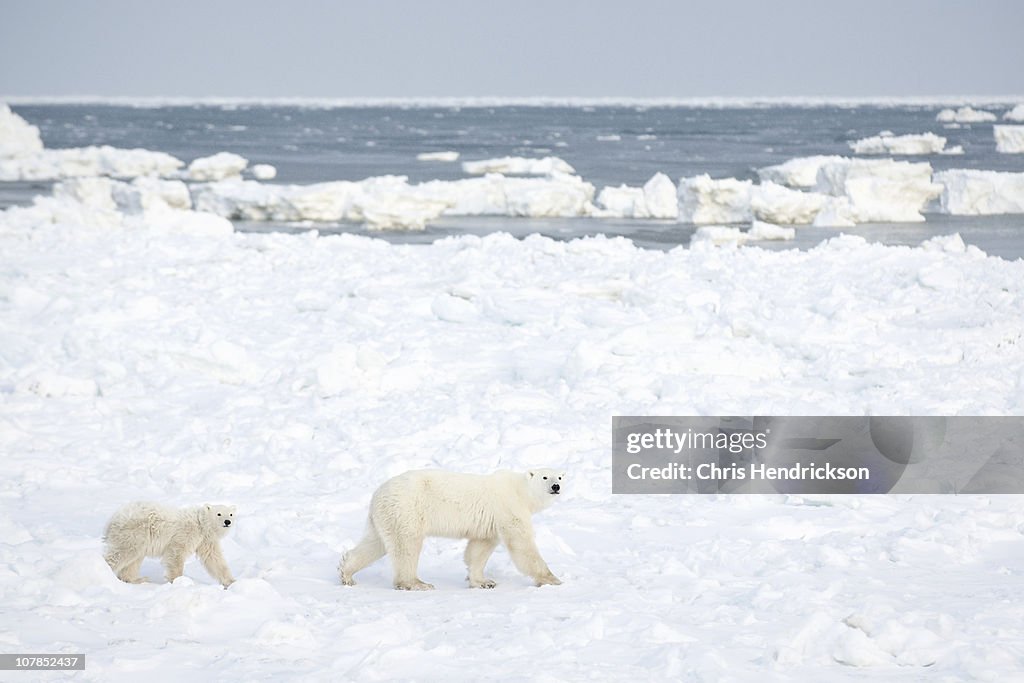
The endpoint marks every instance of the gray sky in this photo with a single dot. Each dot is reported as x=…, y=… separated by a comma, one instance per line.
x=383, y=48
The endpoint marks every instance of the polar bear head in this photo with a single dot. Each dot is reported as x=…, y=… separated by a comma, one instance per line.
x=544, y=484
x=220, y=517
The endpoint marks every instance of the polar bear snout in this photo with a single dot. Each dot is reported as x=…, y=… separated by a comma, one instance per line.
x=227, y=522
x=555, y=488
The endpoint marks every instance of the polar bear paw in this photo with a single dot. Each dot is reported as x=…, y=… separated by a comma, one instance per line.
x=549, y=580
x=486, y=583
x=416, y=585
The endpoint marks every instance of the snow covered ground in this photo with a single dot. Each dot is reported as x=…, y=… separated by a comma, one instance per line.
x=148, y=351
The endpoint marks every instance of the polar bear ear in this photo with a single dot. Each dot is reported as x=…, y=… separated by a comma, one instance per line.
x=531, y=473
x=233, y=508
x=561, y=474
x=207, y=507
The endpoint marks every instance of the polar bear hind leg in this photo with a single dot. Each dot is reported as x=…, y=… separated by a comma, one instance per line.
x=404, y=550
x=369, y=550
x=126, y=565
x=478, y=551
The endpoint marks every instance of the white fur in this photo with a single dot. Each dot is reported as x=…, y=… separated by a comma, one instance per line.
x=140, y=530
x=484, y=509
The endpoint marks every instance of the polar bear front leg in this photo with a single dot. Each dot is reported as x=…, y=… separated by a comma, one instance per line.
x=405, y=559
x=174, y=563
x=213, y=560
x=521, y=546
x=478, y=551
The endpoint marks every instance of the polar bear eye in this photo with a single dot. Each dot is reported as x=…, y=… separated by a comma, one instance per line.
x=545, y=478
x=218, y=514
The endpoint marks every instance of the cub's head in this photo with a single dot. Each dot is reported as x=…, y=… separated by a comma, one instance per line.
x=545, y=484
x=220, y=517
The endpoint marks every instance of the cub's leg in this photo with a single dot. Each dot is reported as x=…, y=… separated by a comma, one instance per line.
x=521, y=546
x=369, y=550
x=213, y=560
x=478, y=551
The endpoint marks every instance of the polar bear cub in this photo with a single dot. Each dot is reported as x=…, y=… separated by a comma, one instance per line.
x=140, y=530
x=484, y=509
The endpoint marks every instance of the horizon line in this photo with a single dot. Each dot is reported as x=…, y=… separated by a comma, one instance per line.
x=729, y=101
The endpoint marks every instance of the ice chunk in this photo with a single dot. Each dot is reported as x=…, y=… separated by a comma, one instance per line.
x=660, y=196
x=964, y=115
x=800, y=172
x=518, y=166
x=968, y=192
x=264, y=172
x=777, y=204
x=760, y=230
x=390, y=201
x=1015, y=114
x=1009, y=139
x=18, y=138
x=54, y=164
x=656, y=199
x=718, y=235
x=881, y=190
x=438, y=156
x=703, y=200
x=925, y=143
x=151, y=194
x=217, y=167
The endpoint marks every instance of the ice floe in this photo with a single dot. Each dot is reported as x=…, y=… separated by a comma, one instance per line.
x=263, y=172
x=924, y=143
x=800, y=172
x=217, y=167
x=656, y=199
x=969, y=192
x=18, y=137
x=438, y=156
x=965, y=114
x=518, y=166
x=1009, y=139
x=1015, y=114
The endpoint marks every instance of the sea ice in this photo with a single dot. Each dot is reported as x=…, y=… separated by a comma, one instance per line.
x=965, y=115
x=656, y=199
x=924, y=143
x=1009, y=139
x=54, y=164
x=801, y=172
x=704, y=200
x=518, y=166
x=1015, y=114
x=18, y=138
x=774, y=203
x=438, y=156
x=969, y=192
x=264, y=172
x=879, y=190
x=217, y=167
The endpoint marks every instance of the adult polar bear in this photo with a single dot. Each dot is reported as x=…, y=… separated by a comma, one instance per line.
x=484, y=509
